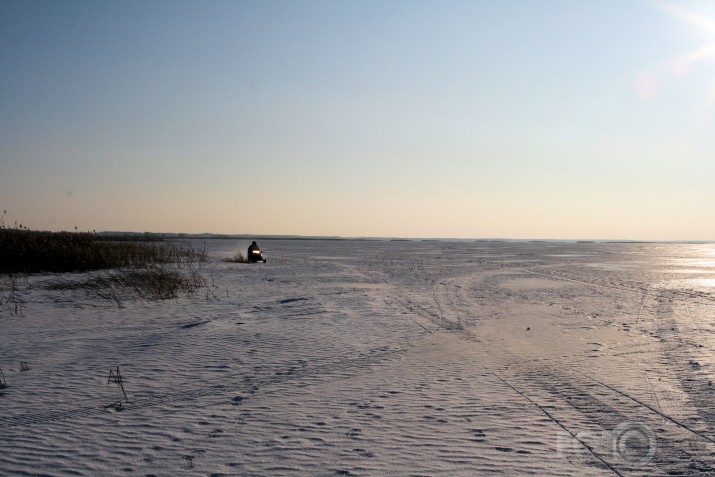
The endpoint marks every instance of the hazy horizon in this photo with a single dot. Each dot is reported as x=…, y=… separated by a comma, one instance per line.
x=264, y=236
x=461, y=119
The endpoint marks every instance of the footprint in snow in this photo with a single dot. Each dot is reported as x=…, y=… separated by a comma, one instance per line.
x=192, y=325
x=364, y=453
x=291, y=300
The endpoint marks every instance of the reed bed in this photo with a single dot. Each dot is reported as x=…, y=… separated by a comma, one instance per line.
x=151, y=283
x=110, y=267
x=237, y=257
x=27, y=251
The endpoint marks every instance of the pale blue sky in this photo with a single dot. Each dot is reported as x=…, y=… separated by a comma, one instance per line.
x=515, y=118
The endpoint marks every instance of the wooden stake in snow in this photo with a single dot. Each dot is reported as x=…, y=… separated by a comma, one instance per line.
x=116, y=377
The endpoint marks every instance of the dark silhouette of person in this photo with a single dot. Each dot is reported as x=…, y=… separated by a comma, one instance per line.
x=254, y=252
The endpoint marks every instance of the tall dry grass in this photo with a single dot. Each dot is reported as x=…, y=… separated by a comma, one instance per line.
x=237, y=257
x=117, y=267
x=151, y=283
x=27, y=251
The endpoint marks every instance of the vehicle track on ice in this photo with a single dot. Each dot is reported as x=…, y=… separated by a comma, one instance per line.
x=577, y=403
x=680, y=295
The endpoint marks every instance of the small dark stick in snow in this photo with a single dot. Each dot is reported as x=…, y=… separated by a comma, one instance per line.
x=117, y=378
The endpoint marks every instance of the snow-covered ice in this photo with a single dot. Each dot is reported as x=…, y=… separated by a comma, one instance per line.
x=409, y=358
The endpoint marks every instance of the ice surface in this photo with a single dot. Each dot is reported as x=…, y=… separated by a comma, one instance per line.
x=375, y=358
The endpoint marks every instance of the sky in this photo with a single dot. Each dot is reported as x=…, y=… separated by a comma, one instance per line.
x=455, y=119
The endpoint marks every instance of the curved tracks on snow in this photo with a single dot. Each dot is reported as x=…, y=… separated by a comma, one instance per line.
x=575, y=402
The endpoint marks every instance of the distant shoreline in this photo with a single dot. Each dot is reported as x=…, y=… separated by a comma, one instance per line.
x=211, y=236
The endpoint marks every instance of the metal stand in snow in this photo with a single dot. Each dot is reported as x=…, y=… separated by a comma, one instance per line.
x=3, y=383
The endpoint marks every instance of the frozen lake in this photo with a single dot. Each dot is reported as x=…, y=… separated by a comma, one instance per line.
x=341, y=357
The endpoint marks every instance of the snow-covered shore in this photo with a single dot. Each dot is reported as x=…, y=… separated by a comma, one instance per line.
x=376, y=358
